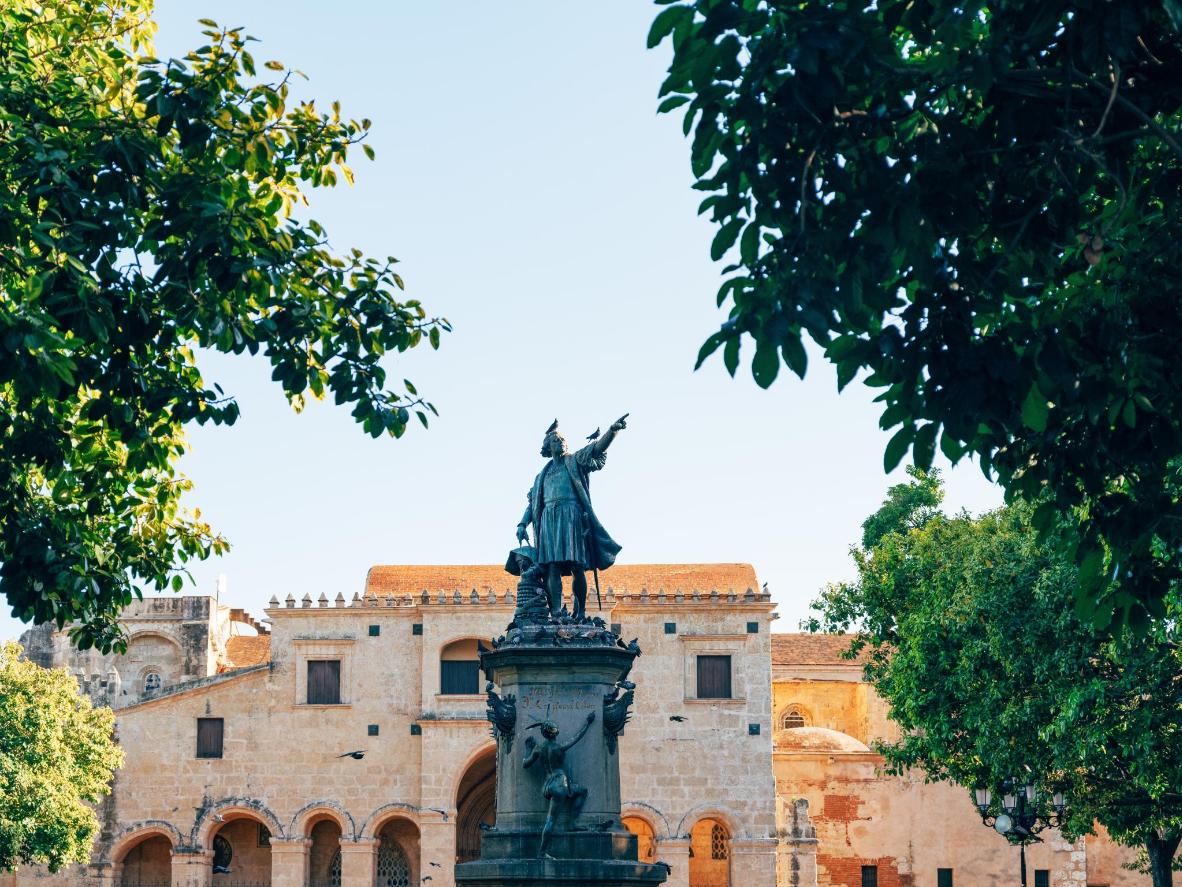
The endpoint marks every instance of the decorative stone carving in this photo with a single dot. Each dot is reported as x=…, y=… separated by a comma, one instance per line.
x=616, y=712
x=502, y=714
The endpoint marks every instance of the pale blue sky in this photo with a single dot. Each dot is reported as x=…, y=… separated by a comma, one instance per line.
x=538, y=202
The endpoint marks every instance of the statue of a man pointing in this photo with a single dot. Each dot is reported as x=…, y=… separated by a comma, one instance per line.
x=569, y=537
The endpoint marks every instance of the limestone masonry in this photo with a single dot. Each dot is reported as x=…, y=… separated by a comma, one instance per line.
x=319, y=746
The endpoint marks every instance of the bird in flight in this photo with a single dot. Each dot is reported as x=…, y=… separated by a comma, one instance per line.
x=594, y=435
x=677, y=718
x=355, y=755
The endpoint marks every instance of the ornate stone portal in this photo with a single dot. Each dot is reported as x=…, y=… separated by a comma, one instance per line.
x=563, y=700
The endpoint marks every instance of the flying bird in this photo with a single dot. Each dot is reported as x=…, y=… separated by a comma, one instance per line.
x=677, y=718
x=426, y=877
x=355, y=755
x=485, y=827
x=221, y=870
x=594, y=435
x=437, y=865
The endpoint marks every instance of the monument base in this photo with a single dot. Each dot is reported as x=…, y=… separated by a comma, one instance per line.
x=564, y=872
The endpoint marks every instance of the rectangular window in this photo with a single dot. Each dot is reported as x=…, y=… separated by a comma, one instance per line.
x=943, y=877
x=459, y=677
x=209, y=737
x=324, y=682
x=714, y=677
x=869, y=876
x=1042, y=878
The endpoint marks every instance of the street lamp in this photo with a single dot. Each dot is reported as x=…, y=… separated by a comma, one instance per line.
x=1019, y=821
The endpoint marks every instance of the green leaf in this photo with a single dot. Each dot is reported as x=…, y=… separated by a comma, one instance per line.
x=925, y=446
x=673, y=101
x=766, y=363
x=794, y=353
x=730, y=355
x=749, y=244
x=725, y=238
x=896, y=448
x=665, y=22
x=1034, y=409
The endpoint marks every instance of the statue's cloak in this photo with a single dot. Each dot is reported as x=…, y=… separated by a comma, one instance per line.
x=601, y=547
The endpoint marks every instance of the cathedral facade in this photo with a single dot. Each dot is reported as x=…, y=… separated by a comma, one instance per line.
x=343, y=743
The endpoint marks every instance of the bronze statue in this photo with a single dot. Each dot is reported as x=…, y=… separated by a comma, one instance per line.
x=564, y=795
x=568, y=536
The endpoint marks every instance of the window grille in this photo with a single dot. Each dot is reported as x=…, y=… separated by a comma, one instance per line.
x=718, y=845
x=714, y=677
x=393, y=866
x=209, y=737
x=152, y=682
x=943, y=877
x=869, y=876
x=793, y=718
x=324, y=682
x=334, y=871
x=1042, y=878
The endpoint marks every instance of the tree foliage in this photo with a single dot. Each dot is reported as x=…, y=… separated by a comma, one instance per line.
x=57, y=756
x=974, y=643
x=147, y=210
x=979, y=205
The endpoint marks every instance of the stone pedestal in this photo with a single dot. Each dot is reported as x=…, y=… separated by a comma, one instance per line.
x=559, y=675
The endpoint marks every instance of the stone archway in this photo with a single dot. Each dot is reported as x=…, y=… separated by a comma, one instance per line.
x=241, y=851
x=476, y=803
x=646, y=838
x=147, y=863
x=710, y=854
x=397, y=863
x=324, y=853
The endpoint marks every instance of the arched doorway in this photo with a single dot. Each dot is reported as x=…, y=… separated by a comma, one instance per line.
x=646, y=839
x=476, y=803
x=148, y=863
x=241, y=852
x=710, y=854
x=397, y=864
x=324, y=856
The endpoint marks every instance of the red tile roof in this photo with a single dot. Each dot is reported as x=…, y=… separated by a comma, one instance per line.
x=246, y=650
x=811, y=649
x=402, y=579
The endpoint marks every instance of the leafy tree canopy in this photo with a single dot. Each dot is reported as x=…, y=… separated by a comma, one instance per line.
x=57, y=756
x=146, y=211
x=980, y=205
x=974, y=643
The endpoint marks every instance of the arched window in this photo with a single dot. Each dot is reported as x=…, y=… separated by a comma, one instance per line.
x=152, y=682
x=793, y=717
x=459, y=668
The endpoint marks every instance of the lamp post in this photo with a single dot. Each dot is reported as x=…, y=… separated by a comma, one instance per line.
x=1020, y=820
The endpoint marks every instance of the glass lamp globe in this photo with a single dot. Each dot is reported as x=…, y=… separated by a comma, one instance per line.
x=1004, y=824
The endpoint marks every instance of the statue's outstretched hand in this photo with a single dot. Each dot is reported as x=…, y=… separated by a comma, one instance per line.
x=620, y=424
x=522, y=535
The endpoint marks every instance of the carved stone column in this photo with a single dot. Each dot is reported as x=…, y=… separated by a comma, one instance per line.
x=192, y=868
x=675, y=851
x=289, y=861
x=358, y=862
x=437, y=841
x=796, y=853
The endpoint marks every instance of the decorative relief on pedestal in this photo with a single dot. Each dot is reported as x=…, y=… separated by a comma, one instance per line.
x=616, y=712
x=502, y=714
